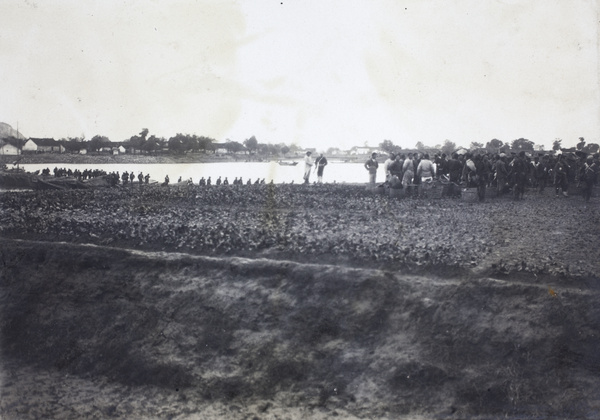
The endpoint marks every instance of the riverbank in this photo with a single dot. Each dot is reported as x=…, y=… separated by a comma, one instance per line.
x=100, y=159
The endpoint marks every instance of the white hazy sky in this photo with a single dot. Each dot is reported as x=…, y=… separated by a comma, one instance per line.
x=318, y=73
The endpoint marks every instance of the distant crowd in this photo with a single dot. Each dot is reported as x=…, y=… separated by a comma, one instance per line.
x=219, y=181
x=502, y=172
x=80, y=175
x=115, y=178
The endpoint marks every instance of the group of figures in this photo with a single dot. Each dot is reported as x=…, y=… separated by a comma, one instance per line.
x=127, y=177
x=114, y=178
x=79, y=175
x=505, y=173
x=236, y=181
x=318, y=165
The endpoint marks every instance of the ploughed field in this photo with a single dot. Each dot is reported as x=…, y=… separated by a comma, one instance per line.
x=334, y=223
x=289, y=301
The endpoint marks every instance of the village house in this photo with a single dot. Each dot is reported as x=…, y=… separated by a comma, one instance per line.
x=30, y=147
x=75, y=147
x=337, y=151
x=10, y=147
x=46, y=145
x=364, y=150
x=219, y=147
x=114, y=147
x=302, y=151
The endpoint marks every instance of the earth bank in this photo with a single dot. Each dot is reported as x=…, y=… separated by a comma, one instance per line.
x=173, y=335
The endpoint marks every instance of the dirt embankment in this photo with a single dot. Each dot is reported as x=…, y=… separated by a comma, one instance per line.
x=164, y=335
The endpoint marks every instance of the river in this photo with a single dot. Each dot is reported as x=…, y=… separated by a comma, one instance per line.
x=271, y=171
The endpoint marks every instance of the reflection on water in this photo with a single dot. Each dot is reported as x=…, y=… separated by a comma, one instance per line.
x=334, y=172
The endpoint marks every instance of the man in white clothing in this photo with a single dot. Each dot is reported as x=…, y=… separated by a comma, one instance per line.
x=308, y=163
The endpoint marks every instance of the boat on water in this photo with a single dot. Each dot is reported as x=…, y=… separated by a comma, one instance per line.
x=287, y=163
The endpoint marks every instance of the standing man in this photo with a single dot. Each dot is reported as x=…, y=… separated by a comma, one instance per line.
x=395, y=168
x=454, y=169
x=561, y=181
x=371, y=165
x=308, y=163
x=519, y=170
x=320, y=164
x=541, y=173
x=426, y=169
x=416, y=161
x=587, y=176
x=408, y=173
x=501, y=174
x=441, y=165
x=386, y=166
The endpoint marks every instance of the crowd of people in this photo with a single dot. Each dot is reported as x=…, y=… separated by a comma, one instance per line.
x=114, y=178
x=506, y=173
x=80, y=175
x=236, y=181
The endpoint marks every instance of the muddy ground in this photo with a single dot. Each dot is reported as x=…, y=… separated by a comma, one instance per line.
x=100, y=320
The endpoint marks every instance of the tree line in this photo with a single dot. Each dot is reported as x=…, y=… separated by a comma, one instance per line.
x=180, y=144
x=492, y=146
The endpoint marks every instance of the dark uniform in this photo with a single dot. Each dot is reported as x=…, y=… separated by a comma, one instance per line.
x=588, y=176
x=519, y=172
x=561, y=181
x=541, y=173
x=454, y=169
x=501, y=175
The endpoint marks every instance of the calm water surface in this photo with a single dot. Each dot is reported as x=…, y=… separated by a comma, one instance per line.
x=334, y=172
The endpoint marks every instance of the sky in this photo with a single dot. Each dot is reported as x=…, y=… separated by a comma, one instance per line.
x=317, y=73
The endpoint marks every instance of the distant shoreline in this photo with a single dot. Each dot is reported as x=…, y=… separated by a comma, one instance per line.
x=67, y=158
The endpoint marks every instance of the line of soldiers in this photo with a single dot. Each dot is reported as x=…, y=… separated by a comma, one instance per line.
x=127, y=177
x=236, y=181
x=80, y=175
x=506, y=173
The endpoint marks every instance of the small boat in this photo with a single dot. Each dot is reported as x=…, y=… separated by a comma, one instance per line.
x=284, y=163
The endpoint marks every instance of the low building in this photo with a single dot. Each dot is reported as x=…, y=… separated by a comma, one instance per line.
x=9, y=148
x=113, y=147
x=220, y=148
x=30, y=146
x=75, y=147
x=364, y=150
x=47, y=145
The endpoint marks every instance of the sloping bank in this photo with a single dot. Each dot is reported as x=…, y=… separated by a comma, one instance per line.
x=269, y=337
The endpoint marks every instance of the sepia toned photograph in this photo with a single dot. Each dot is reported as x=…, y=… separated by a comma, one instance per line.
x=284, y=210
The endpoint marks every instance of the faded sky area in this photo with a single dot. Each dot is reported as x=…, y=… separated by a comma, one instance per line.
x=318, y=73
